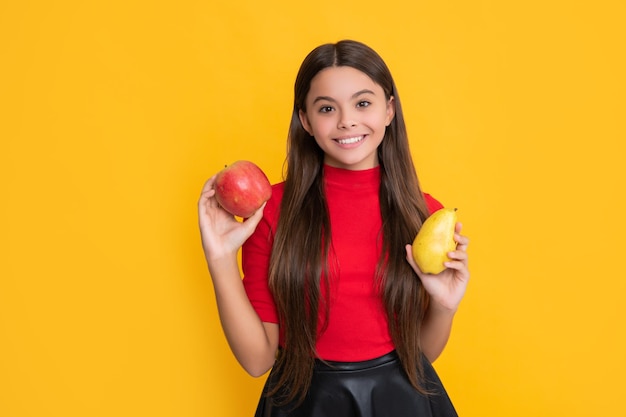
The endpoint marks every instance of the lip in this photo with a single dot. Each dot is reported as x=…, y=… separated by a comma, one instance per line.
x=350, y=141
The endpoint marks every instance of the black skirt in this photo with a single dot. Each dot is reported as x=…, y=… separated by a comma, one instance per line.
x=373, y=388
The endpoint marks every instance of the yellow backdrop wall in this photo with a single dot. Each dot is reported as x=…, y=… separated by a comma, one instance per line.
x=114, y=113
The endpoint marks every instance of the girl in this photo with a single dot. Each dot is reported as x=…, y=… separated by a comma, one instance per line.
x=331, y=299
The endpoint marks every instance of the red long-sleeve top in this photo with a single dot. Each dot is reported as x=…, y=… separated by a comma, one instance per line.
x=357, y=324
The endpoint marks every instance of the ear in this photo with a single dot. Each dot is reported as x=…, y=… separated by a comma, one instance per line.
x=391, y=110
x=305, y=122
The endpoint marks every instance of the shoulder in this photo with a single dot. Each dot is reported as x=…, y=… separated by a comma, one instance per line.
x=272, y=208
x=278, y=189
x=432, y=203
x=277, y=195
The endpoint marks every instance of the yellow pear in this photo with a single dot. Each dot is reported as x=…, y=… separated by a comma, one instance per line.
x=434, y=240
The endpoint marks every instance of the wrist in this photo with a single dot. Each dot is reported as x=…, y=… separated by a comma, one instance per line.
x=220, y=263
x=442, y=310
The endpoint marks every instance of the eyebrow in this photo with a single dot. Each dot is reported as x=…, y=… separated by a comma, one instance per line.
x=355, y=95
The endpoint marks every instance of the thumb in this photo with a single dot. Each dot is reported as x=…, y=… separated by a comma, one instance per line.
x=411, y=260
x=252, y=221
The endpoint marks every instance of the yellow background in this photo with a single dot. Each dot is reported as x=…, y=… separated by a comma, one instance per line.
x=114, y=113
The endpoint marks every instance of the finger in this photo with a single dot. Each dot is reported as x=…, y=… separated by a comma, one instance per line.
x=411, y=260
x=458, y=266
x=459, y=238
x=458, y=255
x=206, y=196
x=207, y=192
x=462, y=241
x=252, y=221
x=409, y=255
x=208, y=185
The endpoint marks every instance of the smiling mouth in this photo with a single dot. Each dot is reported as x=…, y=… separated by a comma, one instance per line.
x=349, y=141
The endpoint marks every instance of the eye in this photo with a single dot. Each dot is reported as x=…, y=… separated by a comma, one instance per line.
x=363, y=103
x=326, y=109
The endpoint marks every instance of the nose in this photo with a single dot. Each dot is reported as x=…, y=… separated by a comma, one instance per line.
x=346, y=120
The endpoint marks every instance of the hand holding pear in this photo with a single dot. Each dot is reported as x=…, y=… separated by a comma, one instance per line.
x=441, y=251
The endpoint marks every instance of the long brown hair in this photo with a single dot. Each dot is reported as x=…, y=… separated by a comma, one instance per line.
x=300, y=253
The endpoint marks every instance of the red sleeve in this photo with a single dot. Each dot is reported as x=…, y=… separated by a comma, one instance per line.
x=255, y=260
x=433, y=204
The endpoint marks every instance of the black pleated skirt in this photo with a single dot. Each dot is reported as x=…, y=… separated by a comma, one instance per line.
x=373, y=388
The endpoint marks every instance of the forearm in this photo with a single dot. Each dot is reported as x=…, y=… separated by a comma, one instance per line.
x=435, y=331
x=253, y=343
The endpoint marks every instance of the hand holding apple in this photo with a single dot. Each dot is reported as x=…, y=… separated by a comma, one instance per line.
x=241, y=188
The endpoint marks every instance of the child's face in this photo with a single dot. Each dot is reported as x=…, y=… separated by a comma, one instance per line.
x=347, y=113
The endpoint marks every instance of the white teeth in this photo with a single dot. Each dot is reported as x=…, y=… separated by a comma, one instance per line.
x=350, y=140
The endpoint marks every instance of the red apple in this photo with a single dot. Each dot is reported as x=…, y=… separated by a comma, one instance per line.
x=241, y=188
